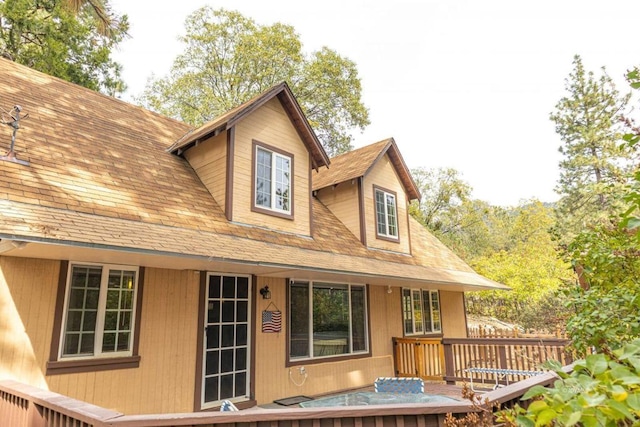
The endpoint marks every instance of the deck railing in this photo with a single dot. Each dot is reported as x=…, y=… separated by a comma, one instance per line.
x=26, y=406
x=449, y=358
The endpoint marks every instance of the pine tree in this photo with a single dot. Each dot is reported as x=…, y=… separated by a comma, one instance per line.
x=594, y=167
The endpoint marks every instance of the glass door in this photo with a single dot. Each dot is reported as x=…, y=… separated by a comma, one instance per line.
x=226, y=341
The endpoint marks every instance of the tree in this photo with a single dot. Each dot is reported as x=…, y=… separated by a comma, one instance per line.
x=594, y=166
x=530, y=265
x=49, y=36
x=228, y=58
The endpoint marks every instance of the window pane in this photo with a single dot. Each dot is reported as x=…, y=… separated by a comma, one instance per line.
x=381, y=217
x=212, y=363
x=358, y=319
x=228, y=335
x=81, y=310
x=111, y=321
x=407, y=312
x=226, y=386
x=243, y=287
x=330, y=319
x=123, y=341
x=299, y=320
x=241, y=334
x=283, y=187
x=391, y=215
x=417, y=312
x=263, y=178
x=435, y=311
x=211, y=389
x=426, y=309
x=241, y=384
x=214, y=286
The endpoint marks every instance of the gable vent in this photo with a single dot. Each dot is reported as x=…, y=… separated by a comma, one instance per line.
x=12, y=118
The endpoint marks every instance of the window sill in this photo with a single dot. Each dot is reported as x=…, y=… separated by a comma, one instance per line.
x=336, y=358
x=92, y=365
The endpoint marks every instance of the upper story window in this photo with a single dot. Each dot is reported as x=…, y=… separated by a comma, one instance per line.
x=421, y=311
x=99, y=311
x=386, y=214
x=272, y=180
x=327, y=319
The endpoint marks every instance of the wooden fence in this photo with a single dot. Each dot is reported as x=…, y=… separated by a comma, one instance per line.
x=418, y=357
x=26, y=406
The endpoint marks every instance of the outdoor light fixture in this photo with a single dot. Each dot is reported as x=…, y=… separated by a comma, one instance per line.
x=265, y=292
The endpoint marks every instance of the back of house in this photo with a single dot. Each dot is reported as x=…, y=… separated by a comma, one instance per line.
x=151, y=267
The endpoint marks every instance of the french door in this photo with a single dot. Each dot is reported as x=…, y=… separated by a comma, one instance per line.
x=226, y=358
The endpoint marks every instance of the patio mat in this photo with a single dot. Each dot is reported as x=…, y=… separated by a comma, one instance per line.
x=288, y=401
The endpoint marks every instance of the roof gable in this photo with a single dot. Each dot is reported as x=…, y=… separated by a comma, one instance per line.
x=358, y=163
x=230, y=118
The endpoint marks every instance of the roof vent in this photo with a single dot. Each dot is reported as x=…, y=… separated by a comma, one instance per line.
x=14, y=122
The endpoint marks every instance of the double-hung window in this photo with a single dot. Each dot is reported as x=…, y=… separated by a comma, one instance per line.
x=386, y=214
x=99, y=312
x=327, y=319
x=272, y=184
x=421, y=311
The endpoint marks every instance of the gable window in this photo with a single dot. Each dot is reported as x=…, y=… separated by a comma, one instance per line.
x=327, y=319
x=386, y=214
x=99, y=311
x=272, y=180
x=421, y=311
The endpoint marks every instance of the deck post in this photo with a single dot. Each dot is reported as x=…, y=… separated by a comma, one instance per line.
x=449, y=366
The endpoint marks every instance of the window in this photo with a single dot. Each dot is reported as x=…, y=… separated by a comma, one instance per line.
x=272, y=183
x=421, y=311
x=99, y=311
x=386, y=214
x=327, y=319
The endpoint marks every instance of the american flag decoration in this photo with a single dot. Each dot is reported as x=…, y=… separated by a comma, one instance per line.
x=271, y=321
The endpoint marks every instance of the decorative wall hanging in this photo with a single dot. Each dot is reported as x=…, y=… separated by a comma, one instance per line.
x=271, y=319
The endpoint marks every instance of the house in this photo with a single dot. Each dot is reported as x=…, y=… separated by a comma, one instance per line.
x=149, y=267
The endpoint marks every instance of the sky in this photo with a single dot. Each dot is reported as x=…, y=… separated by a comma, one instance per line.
x=463, y=84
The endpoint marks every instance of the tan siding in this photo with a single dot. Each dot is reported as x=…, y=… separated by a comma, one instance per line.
x=27, y=299
x=273, y=380
x=342, y=201
x=453, y=314
x=270, y=125
x=386, y=319
x=165, y=380
x=383, y=175
x=209, y=160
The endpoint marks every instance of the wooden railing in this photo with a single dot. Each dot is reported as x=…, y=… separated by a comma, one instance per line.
x=417, y=357
x=26, y=406
x=490, y=332
x=520, y=354
x=449, y=358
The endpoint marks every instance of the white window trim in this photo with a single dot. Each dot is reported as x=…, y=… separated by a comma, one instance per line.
x=430, y=303
x=100, y=315
x=366, y=321
x=386, y=214
x=274, y=156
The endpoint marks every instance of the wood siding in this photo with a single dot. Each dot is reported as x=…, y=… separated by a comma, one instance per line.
x=27, y=302
x=208, y=159
x=342, y=201
x=383, y=175
x=452, y=309
x=271, y=125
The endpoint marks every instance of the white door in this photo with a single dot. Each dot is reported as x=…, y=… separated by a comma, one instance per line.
x=226, y=358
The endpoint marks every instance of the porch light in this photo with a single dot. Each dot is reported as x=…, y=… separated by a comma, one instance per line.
x=265, y=292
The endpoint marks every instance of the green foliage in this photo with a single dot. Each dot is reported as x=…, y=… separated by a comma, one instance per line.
x=605, y=317
x=228, y=58
x=602, y=390
x=595, y=166
x=530, y=265
x=50, y=37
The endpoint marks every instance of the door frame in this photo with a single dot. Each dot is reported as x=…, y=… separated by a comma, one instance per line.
x=199, y=362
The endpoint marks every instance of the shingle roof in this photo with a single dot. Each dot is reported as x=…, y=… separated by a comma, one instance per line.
x=100, y=176
x=357, y=163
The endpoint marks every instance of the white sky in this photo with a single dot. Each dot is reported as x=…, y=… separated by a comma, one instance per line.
x=466, y=84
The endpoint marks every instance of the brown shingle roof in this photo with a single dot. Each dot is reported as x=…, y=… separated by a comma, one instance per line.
x=357, y=163
x=100, y=176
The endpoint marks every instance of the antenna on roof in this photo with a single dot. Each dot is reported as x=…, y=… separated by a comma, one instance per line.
x=14, y=122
